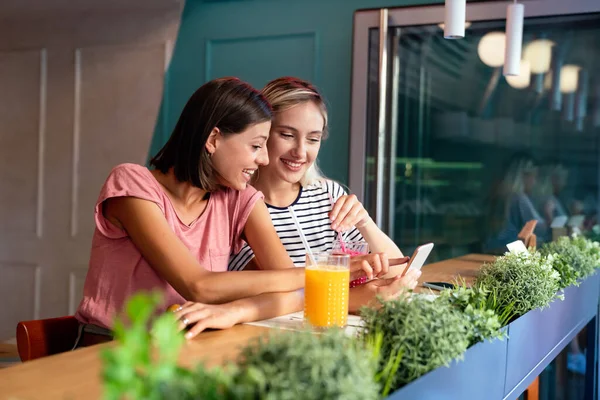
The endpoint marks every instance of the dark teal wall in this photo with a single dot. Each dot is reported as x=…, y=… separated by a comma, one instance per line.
x=259, y=40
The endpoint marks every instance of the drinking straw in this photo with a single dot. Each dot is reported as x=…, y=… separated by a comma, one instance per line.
x=338, y=234
x=302, y=237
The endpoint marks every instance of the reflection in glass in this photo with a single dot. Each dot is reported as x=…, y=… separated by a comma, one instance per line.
x=478, y=154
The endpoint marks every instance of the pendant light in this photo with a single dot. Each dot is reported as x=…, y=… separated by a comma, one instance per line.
x=454, y=22
x=515, y=15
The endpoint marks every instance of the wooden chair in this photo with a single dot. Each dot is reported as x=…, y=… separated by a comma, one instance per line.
x=44, y=337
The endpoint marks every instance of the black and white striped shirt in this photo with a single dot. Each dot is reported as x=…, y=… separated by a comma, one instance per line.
x=312, y=207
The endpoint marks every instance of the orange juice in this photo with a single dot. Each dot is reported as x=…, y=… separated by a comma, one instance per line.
x=326, y=294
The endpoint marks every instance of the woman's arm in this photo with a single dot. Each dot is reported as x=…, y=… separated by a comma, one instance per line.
x=222, y=316
x=379, y=241
x=149, y=231
x=259, y=232
x=349, y=212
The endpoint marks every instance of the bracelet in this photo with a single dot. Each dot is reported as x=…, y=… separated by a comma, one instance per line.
x=357, y=282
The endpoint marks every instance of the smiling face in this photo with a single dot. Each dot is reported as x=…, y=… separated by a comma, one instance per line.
x=295, y=141
x=237, y=156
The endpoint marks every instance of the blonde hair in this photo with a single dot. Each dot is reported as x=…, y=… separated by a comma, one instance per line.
x=286, y=92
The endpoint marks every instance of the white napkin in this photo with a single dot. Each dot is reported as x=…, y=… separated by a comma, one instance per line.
x=295, y=322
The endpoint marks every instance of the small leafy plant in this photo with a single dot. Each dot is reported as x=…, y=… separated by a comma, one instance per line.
x=143, y=363
x=419, y=334
x=573, y=257
x=310, y=366
x=590, y=247
x=518, y=283
x=474, y=302
x=144, y=360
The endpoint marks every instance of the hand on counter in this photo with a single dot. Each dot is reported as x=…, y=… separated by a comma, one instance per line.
x=198, y=317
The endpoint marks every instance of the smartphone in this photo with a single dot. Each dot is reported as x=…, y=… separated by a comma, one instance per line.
x=438, y=285
x=416, y=261
x=419, y=257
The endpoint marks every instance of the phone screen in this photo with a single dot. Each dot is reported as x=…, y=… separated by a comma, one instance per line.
x=420, y=256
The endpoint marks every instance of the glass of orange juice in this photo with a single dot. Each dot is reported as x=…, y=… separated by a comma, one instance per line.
x=326, y=290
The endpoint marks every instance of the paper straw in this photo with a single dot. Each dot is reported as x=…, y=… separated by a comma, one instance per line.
x=302, y=237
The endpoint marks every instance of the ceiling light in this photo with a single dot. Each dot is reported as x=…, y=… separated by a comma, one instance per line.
x=569, y=76
x=539, y=55
x=515, y=15
x=491, y=49
x=454, y=22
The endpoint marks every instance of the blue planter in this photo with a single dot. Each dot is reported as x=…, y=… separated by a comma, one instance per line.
x=537, y=337
x=463, y=379
x=504, y=369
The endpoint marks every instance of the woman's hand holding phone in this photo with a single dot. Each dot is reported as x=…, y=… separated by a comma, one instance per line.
x=385, y=289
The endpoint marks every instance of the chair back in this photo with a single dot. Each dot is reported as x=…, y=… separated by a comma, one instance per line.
x=527, y=236
x=44, y=337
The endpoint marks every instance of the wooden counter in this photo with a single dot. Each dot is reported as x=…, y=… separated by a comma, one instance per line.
x=75, y=375
x=465, y=267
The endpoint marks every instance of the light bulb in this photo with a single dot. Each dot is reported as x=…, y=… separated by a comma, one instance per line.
x=539, y=55
x=522, y=80
x=569, y=76
x=491, y=49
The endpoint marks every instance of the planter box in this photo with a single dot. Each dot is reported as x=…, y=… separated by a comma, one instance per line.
x=537, y=337
x=504, y=369
x=463, y=379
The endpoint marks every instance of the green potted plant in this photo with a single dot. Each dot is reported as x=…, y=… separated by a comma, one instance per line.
x=419, y=333
x=519, y=282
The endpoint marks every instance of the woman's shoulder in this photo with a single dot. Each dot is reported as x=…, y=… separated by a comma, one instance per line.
x=131, y=180
x=130, y=170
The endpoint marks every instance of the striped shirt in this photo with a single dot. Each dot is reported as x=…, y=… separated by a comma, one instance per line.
x=312, y=207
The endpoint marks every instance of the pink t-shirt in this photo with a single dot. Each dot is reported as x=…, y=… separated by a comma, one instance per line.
x=117, y=269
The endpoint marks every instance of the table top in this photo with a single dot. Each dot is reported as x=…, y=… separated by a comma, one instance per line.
x=465, y=267
x=76, y=374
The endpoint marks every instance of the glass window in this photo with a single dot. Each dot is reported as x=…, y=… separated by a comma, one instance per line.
x=475, y=154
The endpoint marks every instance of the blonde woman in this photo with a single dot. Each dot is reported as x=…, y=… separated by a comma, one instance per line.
x=293, y=180
x=513, y=205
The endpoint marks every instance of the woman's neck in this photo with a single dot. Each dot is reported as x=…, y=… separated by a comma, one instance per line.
x=277, y=192
x=185, y=193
